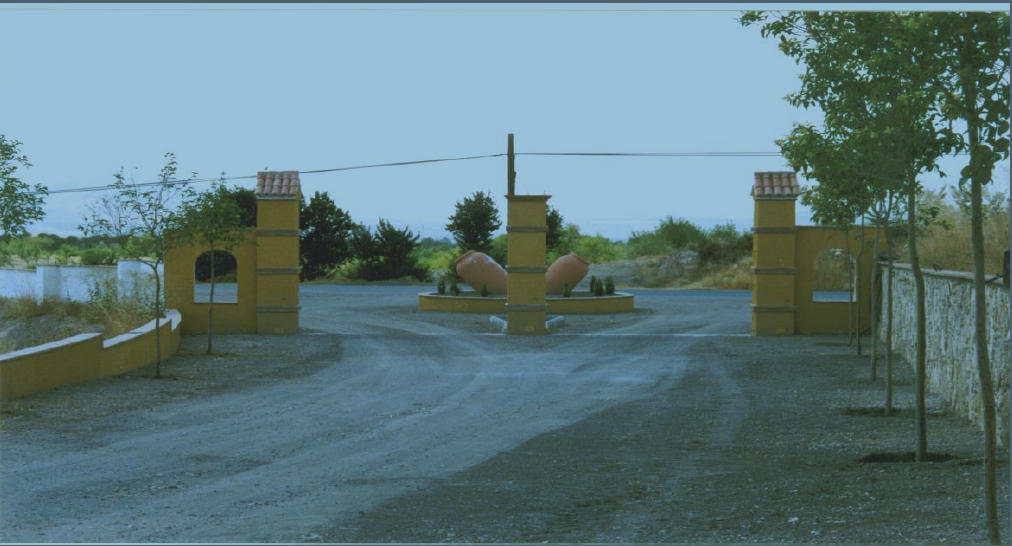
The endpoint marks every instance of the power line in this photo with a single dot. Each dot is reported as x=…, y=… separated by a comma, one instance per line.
x=402, y=163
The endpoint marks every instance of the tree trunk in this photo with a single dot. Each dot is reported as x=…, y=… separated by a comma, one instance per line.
x=984, y=367
x=158, y=323
x=889, y=315
x=980, y=316
x=921, y=342
x=850, y=281
x=856, y=292
x=210, y=305
x=876, y=280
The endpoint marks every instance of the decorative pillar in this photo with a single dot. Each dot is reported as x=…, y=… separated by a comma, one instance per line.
x=773, y=253
x=277, y=252
x=526, y=228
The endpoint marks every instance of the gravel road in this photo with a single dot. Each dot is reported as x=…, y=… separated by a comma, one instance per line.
x=380, y=423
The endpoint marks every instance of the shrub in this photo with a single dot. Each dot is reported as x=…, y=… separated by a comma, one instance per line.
x=599, y=289
x=593, y=284
x=454, y=289
x=609, y=286
x=566, y=290
x=484, y=290
x=441, y=286
x=98, y=255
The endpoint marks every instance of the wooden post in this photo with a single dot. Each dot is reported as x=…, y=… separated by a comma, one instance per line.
x=511, y=175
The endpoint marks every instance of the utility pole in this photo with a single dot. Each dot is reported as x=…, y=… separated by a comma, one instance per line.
x=511, y=175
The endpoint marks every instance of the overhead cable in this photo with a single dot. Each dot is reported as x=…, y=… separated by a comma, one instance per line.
x=401, y=163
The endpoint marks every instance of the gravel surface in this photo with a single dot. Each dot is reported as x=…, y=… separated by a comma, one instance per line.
x=381, y=423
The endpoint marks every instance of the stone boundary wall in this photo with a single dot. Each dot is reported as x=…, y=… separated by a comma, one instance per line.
x=950, y=355
x=72, y=282
x=84, y=357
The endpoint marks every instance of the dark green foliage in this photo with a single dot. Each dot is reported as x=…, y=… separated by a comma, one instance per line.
x=99, y=255
x=609, y=286
x=554, y=221
x=498, y=252
x=724, y=244
x=593, y=284
x=599, y=288
x=567, y=291
x=454, y=289
x=669, y=236
x=20, y=204
x=474, y=222
x=387, y=255
x=441, y=287
x=484, y=290
x=326, y=235
x=246, y=200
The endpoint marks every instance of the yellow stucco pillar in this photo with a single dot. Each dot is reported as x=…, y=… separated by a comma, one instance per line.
x=773, y=253
x=526, y=228
x=277, y=252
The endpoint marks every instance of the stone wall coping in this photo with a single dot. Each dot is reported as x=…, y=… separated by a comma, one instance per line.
x=171, y=315
x=944, y=273
x=48, y=346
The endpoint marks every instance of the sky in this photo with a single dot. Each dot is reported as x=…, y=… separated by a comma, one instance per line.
x=241, y=88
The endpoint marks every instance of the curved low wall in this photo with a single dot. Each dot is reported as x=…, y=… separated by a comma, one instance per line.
x=617, y=303
x=84, y=357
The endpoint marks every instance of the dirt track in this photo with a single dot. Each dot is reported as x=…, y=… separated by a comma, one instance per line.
x=385, y=424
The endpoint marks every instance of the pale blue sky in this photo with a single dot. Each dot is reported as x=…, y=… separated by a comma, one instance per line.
x=307, y=87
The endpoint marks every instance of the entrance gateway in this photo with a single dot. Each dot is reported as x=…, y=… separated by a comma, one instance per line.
x=267, y=265
x=267, y=268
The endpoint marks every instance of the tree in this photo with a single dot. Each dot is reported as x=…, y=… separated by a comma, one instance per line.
x=473, y=222
x=19, y=204
x=968, y=56
x=555, y=222
x=144, y=219
x=861, y=67
x=387, y=255
x=246, y=200
x=326, y=235
x=214, y=219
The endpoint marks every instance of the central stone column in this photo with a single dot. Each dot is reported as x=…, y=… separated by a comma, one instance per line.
x=526, y=228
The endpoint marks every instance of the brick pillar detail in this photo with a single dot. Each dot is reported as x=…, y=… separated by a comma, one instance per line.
x=277, y=252
x=526, y=227
x=773, y=253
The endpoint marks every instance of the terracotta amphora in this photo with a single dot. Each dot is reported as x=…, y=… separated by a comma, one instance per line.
x=477, y=268
x=570, y=268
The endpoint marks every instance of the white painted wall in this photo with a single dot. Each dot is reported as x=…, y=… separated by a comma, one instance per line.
x=15, y=283
x=73, y=283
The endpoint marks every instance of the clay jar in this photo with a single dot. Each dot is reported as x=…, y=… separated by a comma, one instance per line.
x=477, y=268
x=570, y=268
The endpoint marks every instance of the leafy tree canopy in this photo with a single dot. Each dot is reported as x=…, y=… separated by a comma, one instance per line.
x=20, y=205
x=474, y=221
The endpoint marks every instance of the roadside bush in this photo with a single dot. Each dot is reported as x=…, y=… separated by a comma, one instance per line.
x=567, y=291
x=484, y=290
x=99, y=255
x=609, y=286
x=454, y=289
x=441, y=287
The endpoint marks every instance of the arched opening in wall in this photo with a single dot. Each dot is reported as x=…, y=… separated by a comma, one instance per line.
x=225, y=271
x=833, y=276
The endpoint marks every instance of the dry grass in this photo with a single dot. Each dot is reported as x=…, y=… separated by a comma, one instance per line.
x=729, y=277
x=27, y=322
x=950, y=248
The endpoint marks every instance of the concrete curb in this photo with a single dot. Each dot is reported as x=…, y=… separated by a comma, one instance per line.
x=550, y=324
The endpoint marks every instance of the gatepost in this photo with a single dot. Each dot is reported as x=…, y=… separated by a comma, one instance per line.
x=773, y=253
x=277, y=252
x=526, y=228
